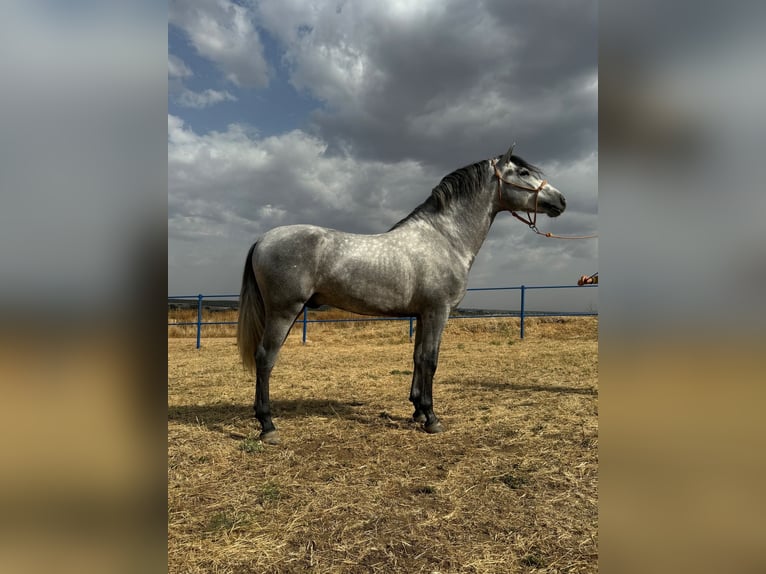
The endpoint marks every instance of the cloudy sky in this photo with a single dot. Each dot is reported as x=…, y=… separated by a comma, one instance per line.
x=346, y=114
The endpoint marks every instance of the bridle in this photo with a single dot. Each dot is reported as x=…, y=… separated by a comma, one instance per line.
x=530, y=220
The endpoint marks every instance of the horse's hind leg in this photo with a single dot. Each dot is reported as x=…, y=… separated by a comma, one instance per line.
x=276, y=329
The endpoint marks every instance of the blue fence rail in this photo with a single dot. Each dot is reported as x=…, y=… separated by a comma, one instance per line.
x=521, y=314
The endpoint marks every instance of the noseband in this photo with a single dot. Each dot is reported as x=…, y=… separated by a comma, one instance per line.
x=531, y=220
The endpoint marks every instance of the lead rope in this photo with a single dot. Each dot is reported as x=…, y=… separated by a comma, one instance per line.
x=549, y=234
x=531, y=221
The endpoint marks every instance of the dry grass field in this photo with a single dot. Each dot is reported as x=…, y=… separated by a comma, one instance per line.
x=355, y=486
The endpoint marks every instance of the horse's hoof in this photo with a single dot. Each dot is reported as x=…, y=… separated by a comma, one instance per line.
x=434, y=428
x=419, y=417
x=271, y=437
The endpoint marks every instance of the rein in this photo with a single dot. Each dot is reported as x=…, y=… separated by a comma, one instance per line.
x=530, y=220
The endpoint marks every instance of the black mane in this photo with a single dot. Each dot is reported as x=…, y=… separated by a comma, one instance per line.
x=461, y=184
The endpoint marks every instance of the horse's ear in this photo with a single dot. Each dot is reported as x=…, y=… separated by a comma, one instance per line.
x=508, y=154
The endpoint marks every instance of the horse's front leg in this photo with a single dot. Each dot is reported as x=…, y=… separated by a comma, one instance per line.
x=425, y=365
x=417, y=380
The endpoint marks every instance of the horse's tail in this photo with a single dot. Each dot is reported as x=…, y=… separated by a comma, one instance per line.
x=251, y=314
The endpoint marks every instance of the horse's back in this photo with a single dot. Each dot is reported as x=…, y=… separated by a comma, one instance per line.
x=362, y=273
x=391, y=273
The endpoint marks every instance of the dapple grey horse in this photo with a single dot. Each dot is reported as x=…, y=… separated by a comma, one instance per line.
x=419, y=268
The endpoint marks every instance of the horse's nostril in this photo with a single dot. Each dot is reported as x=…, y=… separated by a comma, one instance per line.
x=563, y=201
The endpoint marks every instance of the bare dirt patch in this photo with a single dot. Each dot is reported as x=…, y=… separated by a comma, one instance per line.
x=511, y=486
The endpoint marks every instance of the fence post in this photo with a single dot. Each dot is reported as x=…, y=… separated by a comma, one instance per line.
x=199, y=319
x=412, y=320
x=521, y=314
x=305, y=322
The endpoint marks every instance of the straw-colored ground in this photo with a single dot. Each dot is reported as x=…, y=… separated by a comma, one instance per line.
x=511, y=486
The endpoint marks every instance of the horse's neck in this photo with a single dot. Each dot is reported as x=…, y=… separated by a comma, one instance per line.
x=470, y=227
x=466, y=223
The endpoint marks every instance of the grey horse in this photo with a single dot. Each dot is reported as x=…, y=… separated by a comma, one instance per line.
x=419, y=268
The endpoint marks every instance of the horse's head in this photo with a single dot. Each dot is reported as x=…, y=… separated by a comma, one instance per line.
x=521, y=187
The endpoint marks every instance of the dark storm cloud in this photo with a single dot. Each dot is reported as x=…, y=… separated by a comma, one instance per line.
x=466, y=81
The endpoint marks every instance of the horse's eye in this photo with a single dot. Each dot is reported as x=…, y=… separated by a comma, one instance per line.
x=523, y=172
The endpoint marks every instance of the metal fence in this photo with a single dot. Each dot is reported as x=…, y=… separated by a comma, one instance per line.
x=522, y=313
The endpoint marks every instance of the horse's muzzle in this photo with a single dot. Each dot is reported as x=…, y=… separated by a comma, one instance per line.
x=553, y=207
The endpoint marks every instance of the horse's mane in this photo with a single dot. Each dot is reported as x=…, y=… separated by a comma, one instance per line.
x=459, y=185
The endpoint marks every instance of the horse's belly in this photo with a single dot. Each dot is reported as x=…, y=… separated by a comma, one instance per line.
x=363, y=306
x=366, y=288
